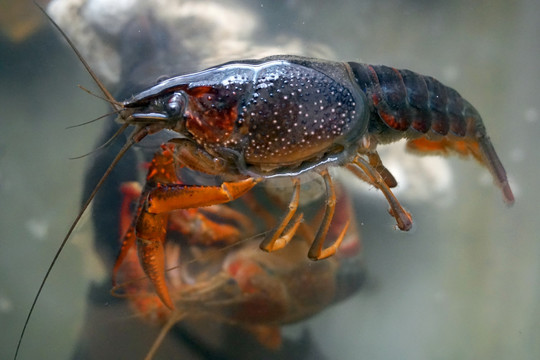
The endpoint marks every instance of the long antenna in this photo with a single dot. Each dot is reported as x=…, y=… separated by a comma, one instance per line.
x=121, y=153
x=102, y=87
x=132, y=140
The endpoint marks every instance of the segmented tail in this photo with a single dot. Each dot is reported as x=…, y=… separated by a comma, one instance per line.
x=434, y=117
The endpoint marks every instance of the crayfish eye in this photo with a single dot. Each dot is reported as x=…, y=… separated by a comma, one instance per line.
x=175, y=105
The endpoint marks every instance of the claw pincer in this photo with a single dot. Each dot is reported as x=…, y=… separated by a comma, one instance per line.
x=148, y=231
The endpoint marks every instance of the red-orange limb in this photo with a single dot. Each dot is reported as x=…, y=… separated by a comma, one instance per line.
x=316, y=251
x=201, y=230
x=275, y=241
x=243, y=222
x=362, y=168
x=290, y=231
x=148, y=230
x=168, y=197
x=287, y=234
x=376, y=162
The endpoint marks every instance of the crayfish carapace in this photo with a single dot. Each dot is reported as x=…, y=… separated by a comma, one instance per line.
x=284, y=116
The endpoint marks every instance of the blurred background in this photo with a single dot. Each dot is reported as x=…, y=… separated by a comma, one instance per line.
x=463, y=284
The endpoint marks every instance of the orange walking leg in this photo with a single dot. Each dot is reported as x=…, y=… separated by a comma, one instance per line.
x=366, y=172
x=316, y=251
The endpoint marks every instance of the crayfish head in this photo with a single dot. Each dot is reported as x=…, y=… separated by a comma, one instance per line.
x=156, y=113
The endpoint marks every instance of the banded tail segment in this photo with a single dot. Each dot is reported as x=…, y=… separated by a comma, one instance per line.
x=435, y=117
x=405, y=100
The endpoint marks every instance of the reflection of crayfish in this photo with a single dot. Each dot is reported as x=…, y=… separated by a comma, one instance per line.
x=239, y=284
x=287, y=116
